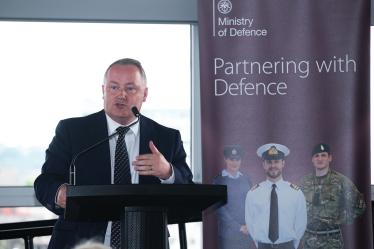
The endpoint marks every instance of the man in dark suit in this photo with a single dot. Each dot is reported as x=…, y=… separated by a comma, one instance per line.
x=155, y=152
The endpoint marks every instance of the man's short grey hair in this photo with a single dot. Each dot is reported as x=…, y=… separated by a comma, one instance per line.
x=128, y=61
x=90, y=245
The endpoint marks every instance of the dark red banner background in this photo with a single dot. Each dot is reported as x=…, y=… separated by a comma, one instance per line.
x=309, y=106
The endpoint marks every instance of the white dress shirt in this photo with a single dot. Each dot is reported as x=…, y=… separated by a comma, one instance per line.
x=291, y=212
x=132, y=140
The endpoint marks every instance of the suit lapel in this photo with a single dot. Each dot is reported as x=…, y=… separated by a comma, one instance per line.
x=98, y=128
x=147, y=133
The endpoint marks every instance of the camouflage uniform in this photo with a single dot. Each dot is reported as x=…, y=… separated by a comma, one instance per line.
x=332, y=202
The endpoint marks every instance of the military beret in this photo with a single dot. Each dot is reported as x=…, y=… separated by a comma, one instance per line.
x=319, y=148
x=233, y=152
x=273, y=151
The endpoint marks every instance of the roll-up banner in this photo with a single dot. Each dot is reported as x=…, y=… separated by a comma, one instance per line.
x=285, y=122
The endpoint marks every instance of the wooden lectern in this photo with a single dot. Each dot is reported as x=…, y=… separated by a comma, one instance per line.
x=143, y=209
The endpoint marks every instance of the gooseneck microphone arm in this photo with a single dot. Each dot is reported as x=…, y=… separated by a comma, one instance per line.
x=72, y=165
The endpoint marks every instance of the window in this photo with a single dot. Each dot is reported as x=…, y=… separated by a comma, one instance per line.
x=53, y=71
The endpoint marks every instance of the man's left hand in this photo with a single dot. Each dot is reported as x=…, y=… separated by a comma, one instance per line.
x=153, y=164
x=244, y=229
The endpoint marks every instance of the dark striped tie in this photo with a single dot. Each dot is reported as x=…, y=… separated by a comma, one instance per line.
x=122, y=175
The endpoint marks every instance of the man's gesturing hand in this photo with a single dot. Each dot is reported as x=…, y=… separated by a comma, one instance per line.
x=153, y=164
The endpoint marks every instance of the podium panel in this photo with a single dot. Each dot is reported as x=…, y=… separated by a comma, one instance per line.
x=143, y=209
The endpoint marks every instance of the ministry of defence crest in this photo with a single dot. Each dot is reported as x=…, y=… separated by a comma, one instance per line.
x=224, y=6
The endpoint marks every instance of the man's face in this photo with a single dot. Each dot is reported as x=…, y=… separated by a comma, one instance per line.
x=122, y=91
x=233, y=165
x=274, y=168
x=321, y=160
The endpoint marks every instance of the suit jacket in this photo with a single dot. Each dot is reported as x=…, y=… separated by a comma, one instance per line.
x=76, y=134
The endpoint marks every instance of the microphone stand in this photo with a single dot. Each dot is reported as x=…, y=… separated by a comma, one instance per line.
x=72, y=165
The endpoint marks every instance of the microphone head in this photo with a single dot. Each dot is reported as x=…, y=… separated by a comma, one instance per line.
x=135, y=111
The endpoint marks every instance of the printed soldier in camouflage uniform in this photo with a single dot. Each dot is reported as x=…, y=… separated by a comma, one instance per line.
x=332, y=201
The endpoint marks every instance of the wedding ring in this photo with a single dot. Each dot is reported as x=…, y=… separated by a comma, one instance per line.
x=150, y=168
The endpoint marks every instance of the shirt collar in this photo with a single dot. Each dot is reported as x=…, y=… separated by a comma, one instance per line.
x=328, y=172
x=113, y=125
x=225, y=173
x=279, y=183
x=323, y=178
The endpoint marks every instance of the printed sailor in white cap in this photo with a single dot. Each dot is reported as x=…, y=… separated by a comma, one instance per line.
x=275, y=210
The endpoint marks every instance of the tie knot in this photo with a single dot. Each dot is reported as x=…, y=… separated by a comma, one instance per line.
x=123, y=129
x=274, y=185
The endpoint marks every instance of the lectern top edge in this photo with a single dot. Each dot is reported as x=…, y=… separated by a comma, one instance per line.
x=148, y=189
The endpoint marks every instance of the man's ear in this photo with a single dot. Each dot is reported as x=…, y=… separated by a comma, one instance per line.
x=145, y=94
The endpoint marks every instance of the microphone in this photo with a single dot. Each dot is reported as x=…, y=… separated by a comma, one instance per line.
x=72, y=165
x=135, y=112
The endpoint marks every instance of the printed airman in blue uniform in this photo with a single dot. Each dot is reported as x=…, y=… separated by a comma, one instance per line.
x=233, y=232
